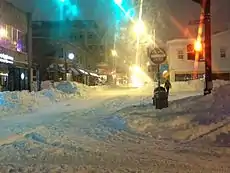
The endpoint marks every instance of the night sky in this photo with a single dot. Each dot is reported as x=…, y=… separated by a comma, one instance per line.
x=179, y=12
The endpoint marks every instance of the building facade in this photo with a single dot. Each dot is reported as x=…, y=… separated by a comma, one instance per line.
x=85, y=35
x=182, y=66
x=13, y=51
x=54, y=41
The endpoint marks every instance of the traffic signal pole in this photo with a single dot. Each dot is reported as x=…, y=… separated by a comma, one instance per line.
x=208, y=48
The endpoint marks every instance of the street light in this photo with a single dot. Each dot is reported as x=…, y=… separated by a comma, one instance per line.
x=114, y=52
x=198, y=46
x=71, y=57
x=139, y=27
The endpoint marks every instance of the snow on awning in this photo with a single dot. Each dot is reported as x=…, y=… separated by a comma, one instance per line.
x=75, y=72
x=93, y=74
x=83, y=71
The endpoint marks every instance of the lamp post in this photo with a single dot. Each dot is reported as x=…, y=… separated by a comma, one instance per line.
x=206, y=8
x=70, y=56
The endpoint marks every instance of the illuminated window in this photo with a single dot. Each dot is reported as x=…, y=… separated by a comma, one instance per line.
x=180, y=54
x=9, y=30
x=15, y=35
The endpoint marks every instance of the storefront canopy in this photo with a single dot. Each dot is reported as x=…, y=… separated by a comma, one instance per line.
x=75, y=72
x=79, y=71
x=56, y=67
x=93, y=74
x=83, y=71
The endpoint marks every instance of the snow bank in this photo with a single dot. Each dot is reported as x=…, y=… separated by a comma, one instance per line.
x=195, y=85
x=23, y=102
x=192, y=85
x=188, y=119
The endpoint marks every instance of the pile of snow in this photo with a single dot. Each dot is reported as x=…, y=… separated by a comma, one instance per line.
x=188, y=119
x=67, y=87
x=195, y=85
x=46, y=84
x=23, y=102
x=192, y=85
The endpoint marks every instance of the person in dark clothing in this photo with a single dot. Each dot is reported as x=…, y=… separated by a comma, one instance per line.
x=167, y=86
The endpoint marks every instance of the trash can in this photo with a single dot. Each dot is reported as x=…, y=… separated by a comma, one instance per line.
x=160, y=98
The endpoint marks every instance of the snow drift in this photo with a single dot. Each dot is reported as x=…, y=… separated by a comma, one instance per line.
x=195, y=85
x=23, y=102
x=188, y=119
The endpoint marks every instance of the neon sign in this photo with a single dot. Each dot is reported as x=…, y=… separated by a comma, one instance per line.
x=6, y=58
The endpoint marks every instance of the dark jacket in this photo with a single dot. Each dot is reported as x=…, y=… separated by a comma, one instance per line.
x=167, y=84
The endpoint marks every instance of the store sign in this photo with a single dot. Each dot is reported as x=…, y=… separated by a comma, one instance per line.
x=6, y=58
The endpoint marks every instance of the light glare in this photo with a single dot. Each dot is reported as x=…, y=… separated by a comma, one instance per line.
x=139, y=27
x=118, y=2
x=197, y=46
x=3, y=33
x=71, y=56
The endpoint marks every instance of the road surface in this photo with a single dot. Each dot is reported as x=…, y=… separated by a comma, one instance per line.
x=90, y=136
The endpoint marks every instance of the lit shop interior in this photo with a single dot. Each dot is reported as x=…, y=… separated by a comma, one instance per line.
x=13, y=60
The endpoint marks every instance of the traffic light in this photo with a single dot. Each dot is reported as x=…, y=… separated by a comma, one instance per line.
x=194, y=48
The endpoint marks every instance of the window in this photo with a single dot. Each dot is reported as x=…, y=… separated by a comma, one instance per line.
x=180, y=54
x=222, y=52
x=15, y=39
x=15, y=35
x=90, y=35
x=9, y=31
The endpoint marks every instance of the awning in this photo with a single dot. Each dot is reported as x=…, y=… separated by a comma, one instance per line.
x=93, y=74
x=75, y=72
x=83, y=71
x=56, y=68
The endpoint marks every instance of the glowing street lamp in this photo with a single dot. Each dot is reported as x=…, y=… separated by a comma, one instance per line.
x=114, y=53
x=198, y=46
x=71, y=56
x=3, y=33
x=139, y=27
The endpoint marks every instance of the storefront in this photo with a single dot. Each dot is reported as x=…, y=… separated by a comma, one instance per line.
x=13, y=70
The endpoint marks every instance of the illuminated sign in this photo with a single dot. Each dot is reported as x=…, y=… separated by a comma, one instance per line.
x=6, y=58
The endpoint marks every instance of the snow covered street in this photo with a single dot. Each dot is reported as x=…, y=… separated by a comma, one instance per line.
x=97, y=134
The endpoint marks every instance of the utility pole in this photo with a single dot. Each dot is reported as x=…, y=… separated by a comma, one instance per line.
x=206, y=6
x=29, y=51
